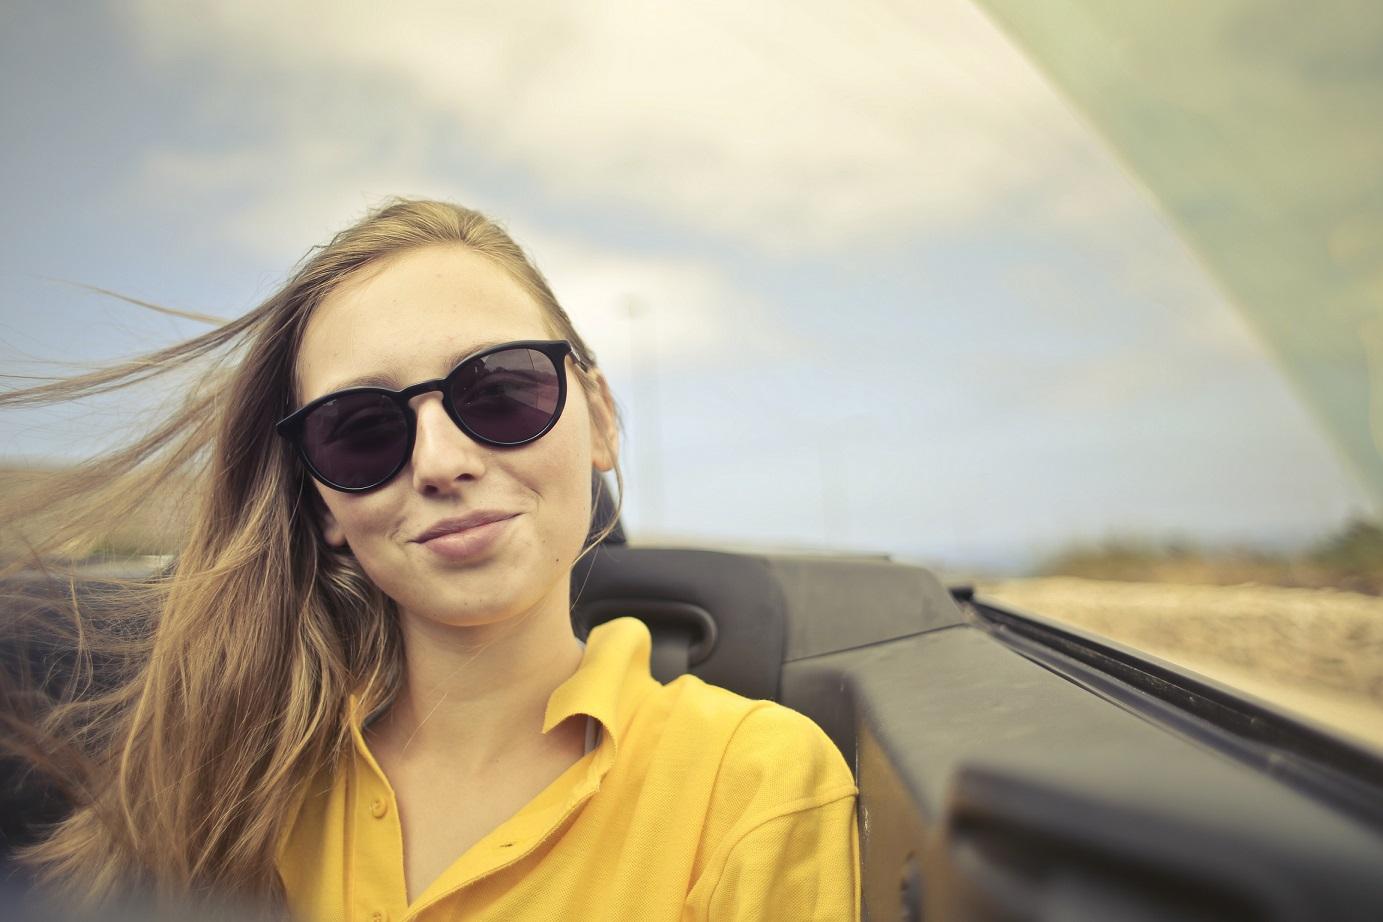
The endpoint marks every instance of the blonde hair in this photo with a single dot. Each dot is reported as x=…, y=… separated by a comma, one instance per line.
x=233, y=669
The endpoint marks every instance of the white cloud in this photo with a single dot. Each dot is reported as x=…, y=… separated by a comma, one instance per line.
x=636, y=309
x=685, y=305
x=787, y=125
x=276, y=200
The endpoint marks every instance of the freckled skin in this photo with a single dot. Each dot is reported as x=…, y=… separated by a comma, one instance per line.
x=404, y=320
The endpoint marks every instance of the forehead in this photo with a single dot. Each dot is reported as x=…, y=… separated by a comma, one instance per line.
x=404, y=319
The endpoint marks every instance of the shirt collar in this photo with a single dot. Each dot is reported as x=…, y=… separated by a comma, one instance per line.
x=610, y=682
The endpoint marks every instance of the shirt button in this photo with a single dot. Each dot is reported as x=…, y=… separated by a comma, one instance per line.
x=379, y=917
x=377, y=809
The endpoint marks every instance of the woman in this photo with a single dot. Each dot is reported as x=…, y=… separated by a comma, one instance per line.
x=363, y=698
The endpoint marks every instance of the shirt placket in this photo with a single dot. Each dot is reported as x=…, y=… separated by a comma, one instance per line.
x=376, y=888
x=512, y=842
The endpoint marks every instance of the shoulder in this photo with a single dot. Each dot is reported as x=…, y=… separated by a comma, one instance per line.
x=779, y=761
x=780, y=838
x=773, y=760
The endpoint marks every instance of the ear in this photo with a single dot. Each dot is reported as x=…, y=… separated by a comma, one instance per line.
x=332, y=532
x=604, y=423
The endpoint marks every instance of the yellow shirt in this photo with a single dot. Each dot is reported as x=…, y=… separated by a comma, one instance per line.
x=697, y=804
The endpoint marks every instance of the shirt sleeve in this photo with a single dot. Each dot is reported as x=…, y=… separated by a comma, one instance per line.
x=782, y=838
x=801, y=866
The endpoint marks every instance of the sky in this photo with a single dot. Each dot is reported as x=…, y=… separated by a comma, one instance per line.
x=861, y=279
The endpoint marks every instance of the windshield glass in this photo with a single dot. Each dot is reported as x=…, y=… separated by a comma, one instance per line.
x=1082, y=307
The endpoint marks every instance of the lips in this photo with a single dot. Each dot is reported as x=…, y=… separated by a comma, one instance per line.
x=462, y=523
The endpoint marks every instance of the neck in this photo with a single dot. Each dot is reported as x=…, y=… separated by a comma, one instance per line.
x=476, y=695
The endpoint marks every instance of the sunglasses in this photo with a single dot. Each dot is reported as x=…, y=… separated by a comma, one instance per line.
x=357, y=439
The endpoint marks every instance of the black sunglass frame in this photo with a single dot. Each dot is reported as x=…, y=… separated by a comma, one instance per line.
x=291, y=426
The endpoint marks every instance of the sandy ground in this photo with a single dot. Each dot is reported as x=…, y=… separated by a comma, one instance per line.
x=1315, y=652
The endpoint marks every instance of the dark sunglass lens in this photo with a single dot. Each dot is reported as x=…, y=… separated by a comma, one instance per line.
x=507, y=397
x=356, y=440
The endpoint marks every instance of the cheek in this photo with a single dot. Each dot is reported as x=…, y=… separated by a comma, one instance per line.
x=367, y=527
x=563, y=484
x=349, y=520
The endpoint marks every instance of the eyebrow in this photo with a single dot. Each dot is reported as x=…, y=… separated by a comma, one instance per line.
x=388, y=382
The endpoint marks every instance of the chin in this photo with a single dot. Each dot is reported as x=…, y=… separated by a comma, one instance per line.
x=467, y=603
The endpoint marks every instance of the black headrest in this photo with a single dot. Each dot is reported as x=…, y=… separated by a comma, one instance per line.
x=740, y=620
x=720, y=616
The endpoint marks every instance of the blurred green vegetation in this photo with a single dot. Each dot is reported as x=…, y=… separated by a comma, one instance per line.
x=1350, y=559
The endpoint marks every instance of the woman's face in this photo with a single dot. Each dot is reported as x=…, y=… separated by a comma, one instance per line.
x=401, y=322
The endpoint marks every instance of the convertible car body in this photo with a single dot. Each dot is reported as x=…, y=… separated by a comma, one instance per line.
x=1011, y=768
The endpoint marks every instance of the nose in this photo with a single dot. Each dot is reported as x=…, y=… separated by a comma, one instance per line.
x=443, y=456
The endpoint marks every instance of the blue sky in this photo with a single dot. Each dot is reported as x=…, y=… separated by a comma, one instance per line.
x=860, y=278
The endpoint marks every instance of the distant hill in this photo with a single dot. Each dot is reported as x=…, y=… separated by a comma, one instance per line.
x=1351, y=559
